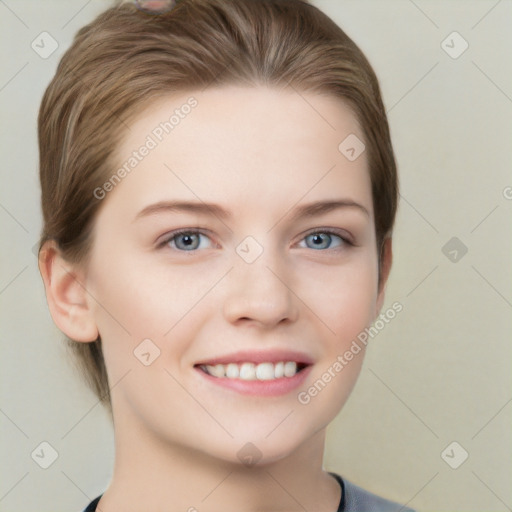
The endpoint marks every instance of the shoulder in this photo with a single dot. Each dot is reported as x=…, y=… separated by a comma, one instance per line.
x=357, y=499
x=92, y=505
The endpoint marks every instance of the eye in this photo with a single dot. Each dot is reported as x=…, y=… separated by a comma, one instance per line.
x=187, y=241
x=324, y=240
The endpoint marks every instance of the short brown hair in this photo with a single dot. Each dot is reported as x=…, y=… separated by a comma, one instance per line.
x=127, y=57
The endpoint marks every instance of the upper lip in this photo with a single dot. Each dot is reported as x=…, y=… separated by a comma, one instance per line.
x=260, y=356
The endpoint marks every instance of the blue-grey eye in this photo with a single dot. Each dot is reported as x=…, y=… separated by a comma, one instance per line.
x=322, y=240
x=188, y=241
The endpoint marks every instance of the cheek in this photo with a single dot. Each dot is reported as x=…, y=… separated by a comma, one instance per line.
x=134, y=303
x=144, y=296
x=343, y=300
x=342, y=296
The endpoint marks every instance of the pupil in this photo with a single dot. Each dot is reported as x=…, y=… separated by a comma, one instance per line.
x=321, y=240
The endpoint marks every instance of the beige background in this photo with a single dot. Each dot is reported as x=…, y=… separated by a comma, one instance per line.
x=438, y=373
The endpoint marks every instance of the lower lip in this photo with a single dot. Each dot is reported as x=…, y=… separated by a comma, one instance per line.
x=275, y=387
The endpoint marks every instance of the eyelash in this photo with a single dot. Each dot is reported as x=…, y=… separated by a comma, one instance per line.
x=196, y=231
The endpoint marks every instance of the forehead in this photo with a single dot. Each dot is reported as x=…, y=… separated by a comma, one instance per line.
x=256, y=146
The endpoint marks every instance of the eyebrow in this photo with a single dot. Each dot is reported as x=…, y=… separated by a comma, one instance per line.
x=307, y=210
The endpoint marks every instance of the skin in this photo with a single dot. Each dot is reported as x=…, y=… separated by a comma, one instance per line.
x=260, y=153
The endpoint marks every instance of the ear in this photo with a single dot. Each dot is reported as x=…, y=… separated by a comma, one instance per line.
x=386, y=258
x=68, y=300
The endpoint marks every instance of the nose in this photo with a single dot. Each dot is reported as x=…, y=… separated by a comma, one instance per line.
x=260, y=293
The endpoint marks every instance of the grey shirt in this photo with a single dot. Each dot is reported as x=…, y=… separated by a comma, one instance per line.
x=355, y=499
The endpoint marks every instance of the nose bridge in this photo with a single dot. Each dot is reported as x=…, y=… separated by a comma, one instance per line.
x=258, y=289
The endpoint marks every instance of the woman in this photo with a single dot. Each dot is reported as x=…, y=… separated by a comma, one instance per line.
x=219, y=190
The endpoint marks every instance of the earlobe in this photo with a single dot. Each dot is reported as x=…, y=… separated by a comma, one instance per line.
x=68, y=300
x=386, y=260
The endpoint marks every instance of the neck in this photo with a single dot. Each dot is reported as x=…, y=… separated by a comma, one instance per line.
x=153, y=474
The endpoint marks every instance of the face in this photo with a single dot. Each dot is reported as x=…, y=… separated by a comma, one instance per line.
x=242, y=236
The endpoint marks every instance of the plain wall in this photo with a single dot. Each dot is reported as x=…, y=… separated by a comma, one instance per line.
x=439, y=372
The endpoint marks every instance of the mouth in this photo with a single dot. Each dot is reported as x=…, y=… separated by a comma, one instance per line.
x=269, y=373
x=248, y=371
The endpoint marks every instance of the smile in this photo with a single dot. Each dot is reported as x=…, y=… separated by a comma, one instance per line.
x=252, y=371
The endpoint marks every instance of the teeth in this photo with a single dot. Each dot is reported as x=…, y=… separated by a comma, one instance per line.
x=217, y=370
x=290, y=369
x=265, y=371
x=279, y=370
x=232, y=371
x=248, y=371
x=251, y=371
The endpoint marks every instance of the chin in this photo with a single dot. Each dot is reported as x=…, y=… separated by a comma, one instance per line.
x=257, y=453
